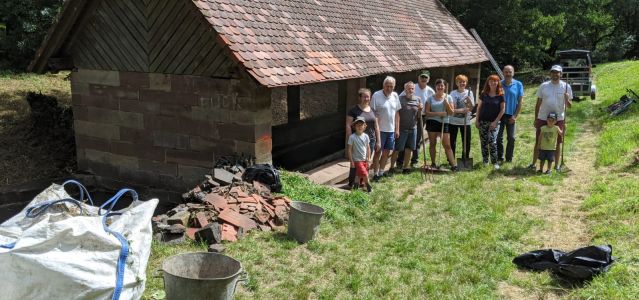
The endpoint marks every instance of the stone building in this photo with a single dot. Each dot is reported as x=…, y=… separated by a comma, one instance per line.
x=160, y=88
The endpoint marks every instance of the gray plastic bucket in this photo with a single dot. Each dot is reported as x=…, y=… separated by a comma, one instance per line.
x=201, y=275
x=303, y=221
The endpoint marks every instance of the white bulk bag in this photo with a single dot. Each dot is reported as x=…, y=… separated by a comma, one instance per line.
x=60, y=248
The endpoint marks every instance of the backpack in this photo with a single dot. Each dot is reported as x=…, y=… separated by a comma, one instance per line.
x=264, y=173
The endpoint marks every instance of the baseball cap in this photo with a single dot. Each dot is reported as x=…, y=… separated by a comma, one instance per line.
x=552, y=116
x=557, y=68
x=359, y=119
x=424, y=73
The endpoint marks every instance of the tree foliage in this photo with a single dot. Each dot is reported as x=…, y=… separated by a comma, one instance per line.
x=528, y=33
x=23, y=25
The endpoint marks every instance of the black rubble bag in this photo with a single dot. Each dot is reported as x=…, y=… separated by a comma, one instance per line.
x=578, y=265
x=264, y=173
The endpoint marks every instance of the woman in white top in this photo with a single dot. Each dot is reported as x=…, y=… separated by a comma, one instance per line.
x=438, y=109
x=460, y=121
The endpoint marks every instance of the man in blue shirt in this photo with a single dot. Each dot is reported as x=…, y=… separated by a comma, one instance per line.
x=513, y=94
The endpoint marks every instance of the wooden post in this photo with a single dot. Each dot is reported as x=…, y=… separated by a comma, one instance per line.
x=478, y=85
x=452, y=79
x=293, y=103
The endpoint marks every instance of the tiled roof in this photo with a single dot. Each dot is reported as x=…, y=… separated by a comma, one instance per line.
x=291, y=42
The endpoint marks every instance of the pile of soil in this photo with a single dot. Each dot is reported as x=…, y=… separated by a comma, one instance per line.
x=39, y=144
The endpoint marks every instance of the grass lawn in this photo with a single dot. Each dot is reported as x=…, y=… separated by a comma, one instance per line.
x=452, y=237
x=455, y=237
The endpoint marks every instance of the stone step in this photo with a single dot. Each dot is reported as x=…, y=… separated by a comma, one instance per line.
x=330, y=173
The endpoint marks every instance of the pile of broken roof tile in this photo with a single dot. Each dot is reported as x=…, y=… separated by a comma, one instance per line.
x=217, y=213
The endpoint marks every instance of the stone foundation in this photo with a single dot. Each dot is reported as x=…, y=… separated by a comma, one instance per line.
x=166, y=130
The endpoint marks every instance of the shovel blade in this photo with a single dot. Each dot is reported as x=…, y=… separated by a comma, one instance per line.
x=465, y=164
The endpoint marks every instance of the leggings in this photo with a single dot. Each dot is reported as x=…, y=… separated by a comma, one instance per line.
x=488, y=139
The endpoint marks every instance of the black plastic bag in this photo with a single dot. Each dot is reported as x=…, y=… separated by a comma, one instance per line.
x=578, y=265
x=264, y=173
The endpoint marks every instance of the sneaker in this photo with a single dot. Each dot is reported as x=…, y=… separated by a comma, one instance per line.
x=355, y=187
x=531, y=167
x=508, y=161
x=548, y=172
x=497, y=167
x=540, y=171
x=376, y=177
x=369, y=188
x=406, y=171
x=454, y=168
x=558, y=169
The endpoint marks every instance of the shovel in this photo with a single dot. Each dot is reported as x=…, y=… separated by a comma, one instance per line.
x=563, y=167
x=465, y=162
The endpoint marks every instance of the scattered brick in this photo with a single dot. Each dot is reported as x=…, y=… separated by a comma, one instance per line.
x=261, y=188
x=237, y=219
x=248, y=199
x=190, y=232
x=217, y=201
x=181, y=218
x=262, y=217
x=222, y=176
x=211, y=234
x=202, y=220
x=214, y=213
x=177, y=228
x=229, y=233
x=279, y=202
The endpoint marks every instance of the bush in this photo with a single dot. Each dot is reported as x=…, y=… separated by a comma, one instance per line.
x=23, y=26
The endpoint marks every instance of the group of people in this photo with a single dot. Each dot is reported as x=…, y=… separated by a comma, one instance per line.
x=385, y=125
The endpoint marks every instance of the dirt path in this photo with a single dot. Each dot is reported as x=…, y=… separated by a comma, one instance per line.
x=564, y=226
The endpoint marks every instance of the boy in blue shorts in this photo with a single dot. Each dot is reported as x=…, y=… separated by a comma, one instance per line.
x=548, y=142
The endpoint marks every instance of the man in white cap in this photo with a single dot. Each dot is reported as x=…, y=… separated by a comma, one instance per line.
x=553, y=96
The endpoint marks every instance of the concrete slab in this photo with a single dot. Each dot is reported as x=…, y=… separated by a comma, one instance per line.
x=330, y=173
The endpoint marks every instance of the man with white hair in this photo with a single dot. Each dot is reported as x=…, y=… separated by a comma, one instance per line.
x=553, y=96
x=386, y=105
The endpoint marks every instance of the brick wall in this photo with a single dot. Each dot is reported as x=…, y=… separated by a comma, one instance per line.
x=166, y=130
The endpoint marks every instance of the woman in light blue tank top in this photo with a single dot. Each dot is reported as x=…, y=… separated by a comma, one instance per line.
x=438, y=109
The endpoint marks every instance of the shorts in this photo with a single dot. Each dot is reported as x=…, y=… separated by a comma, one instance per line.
x=361, y=169
x=387, y=140
x=560, y=124
x=433, y=126
x=548, y=155
x=407, y=139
